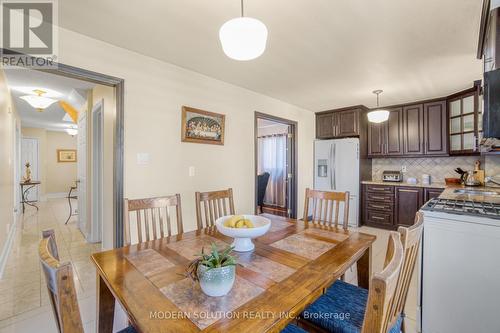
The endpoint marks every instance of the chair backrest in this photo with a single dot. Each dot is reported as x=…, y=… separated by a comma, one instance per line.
x=215, y=205
x=262, y=181
x=60, y=284
x=410, y=238
x=378, y=316
x=152, y=217
x=326, y=207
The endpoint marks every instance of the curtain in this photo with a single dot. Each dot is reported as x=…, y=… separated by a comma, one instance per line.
x=272, y=159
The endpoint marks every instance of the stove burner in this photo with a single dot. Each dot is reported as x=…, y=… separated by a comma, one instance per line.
x=465, y=207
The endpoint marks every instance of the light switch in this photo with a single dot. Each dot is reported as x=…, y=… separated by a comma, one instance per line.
x=191, y=171
x=142, y=158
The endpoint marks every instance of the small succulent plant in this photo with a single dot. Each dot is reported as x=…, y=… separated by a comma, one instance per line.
x=214, y=259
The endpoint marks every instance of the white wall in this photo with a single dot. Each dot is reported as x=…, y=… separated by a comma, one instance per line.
x=154, y=94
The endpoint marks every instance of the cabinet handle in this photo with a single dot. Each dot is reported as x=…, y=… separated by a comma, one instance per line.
x=378, y=198
x=377, y=218
x=377, y=206
x=377, y=189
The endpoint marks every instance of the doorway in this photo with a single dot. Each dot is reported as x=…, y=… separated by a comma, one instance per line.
x=275, y=165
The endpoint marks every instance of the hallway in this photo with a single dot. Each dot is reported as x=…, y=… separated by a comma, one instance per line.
x=23, y=293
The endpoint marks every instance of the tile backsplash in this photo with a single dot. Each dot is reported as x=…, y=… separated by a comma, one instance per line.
x=438, y=167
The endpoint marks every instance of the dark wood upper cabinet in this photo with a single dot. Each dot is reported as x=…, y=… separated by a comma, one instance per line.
x=394, y=132
x=340, y=123
x=376, y=140
x=325, y=126
x=435, y=128
x=413, y=129
x=408, y=202
x=347, y=123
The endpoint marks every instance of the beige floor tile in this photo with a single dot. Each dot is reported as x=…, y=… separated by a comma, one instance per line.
x=23, y=291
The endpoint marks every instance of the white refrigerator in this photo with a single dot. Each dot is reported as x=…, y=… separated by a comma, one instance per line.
x=336, y=169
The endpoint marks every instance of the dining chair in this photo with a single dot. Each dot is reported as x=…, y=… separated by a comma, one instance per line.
x=262, y=181
x=214, y=206
x=152, y=216
x=61, y=287
x=370, y=311
x=410, y=238
x=326, y=207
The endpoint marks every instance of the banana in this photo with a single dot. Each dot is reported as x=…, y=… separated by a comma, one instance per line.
x=231, y=222
x=241, y=224
x=248, y=223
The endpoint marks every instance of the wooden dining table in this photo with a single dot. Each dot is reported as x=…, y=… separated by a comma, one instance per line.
x=289, y=268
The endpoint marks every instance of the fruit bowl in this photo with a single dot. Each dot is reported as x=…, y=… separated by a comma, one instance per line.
x=243, y=232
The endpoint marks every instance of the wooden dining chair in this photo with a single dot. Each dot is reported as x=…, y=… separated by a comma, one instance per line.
x=326, y=207
x=215, y=204
x=61, y=287
x=410, y=238
x=370, y=311
x=153, y=217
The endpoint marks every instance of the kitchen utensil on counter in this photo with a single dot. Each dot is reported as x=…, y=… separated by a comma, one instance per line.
x=426, y=179
x=452, y=181
x=392, y=176
x=479, y=173
x=472, y=179
x=462, y=173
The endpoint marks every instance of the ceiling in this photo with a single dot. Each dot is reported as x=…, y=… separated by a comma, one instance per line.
x=321, y=54
x=22, y=81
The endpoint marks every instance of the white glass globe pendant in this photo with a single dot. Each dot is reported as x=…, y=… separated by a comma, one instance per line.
x=243, y=38
x=378, y=115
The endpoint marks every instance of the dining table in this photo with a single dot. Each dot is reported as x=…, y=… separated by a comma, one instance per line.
x=290, y=267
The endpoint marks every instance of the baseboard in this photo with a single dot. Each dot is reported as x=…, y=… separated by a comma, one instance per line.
x=55, y=195
x=4, y=255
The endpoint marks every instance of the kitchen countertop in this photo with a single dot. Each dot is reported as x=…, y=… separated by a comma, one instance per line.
x=380, y=182
x=449, y=193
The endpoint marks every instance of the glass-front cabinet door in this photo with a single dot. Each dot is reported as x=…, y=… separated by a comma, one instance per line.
x=464, y=122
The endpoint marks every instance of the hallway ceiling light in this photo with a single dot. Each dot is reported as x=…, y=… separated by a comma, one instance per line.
x=72, y=131
x=38, y=101
x=378, y=115
x=243, y=38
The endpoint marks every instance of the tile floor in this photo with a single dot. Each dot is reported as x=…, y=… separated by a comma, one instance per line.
x=24, y=304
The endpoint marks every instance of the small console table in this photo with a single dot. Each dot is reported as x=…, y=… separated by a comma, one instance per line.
x=25, y=187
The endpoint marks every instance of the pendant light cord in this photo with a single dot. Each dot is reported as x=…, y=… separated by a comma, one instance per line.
x=242, y=11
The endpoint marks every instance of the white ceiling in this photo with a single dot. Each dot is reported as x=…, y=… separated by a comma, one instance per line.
x=321, y=53
x=22, y=81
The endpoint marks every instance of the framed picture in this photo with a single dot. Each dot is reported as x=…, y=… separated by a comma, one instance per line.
x=200, y=126
x=66, y=155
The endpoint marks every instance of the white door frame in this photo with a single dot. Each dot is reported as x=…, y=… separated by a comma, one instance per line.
x=97, y=172
x=17, y=168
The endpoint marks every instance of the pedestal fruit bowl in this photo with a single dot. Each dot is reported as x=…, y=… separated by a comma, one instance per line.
x=243, y=228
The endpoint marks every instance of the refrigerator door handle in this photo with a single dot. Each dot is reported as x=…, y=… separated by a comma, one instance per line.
x=333, y=179
x=330, y=152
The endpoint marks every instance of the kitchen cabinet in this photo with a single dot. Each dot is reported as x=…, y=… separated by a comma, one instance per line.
x=340, y=123
x=408, y=201
x=391, y=206
x=325, y=126
x=435, y=128
x=411, y=130
x=386, y=139
x=430, y=193
x=465, y=122
x=413, y=118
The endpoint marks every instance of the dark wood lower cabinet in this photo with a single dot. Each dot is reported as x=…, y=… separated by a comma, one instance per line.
x=408, y=202
x=391, y=206
x=430, y=193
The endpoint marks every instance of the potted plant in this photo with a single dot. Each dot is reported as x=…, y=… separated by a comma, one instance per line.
x=214, y=271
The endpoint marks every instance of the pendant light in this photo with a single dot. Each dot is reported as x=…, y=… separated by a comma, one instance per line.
x=37, y=101
x=378, y=115
x=243, y=38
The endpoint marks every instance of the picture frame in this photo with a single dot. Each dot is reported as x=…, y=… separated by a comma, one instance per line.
x=200, y=126
x=66, y=155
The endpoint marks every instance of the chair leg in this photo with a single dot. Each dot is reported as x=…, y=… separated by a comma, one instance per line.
x=403, y=329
